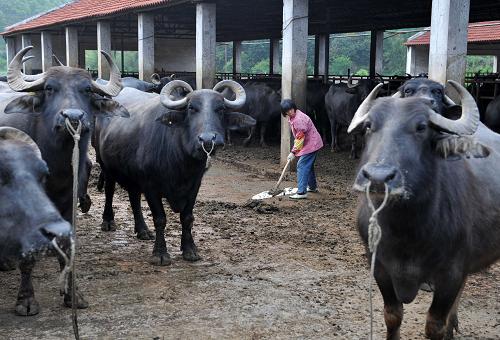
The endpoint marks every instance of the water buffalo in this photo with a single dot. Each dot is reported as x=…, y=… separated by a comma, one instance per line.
x=29, y=220
x=492, y=115
x=341, y=101
x=135, y=83
x=316, y=92
x=58, y=94
x=161, y=152
x=441, y=219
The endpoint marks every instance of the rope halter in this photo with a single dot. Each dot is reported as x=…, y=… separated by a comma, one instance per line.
x=208, y=164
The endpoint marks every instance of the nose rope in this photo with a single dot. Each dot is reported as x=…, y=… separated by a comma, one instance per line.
x=68, y=263
x=208, y=164
x=374, y=236
x=75, y=163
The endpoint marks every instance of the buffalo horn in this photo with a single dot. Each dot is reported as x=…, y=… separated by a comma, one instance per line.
x=349, y=83
x=114, y=86
x=56, y=59
x=363, y=109
x=155, y=79
x=10, y=133
x=17, y=79
x=167, y=90
x=238, y=90
x=468, y=122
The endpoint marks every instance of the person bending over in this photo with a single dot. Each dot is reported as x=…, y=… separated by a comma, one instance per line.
x=306, y=145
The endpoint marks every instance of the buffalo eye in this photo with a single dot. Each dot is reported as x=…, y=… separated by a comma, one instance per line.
x=88, y=89
x=49, y=89
x=192, y=109
x=408, y=91
x=437, y=91
x=367, y=126
x=421, y=127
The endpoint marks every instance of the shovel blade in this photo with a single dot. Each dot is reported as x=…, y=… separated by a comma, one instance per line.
x=268, y=194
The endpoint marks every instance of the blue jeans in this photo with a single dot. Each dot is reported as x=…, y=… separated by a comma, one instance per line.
x=305, y=173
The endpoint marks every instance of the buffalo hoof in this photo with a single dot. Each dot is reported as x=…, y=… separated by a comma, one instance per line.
x=85, y=204
x=81, y=303
x=145, y=235
x=6, y=266
x=108, y=226
x=191, y=255
x=161, y=259
x=27, y=307
x=427, y=287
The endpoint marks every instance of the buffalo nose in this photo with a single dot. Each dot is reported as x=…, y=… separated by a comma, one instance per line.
x=379, y=174
x=56, y=230
x=72, y=114
x=207, y=137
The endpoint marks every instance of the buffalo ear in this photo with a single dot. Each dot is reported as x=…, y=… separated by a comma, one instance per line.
x=172, y=117
x=237, y=121
x=24, y=104
x=110, y=107
x=452, y=112
x=452, y=147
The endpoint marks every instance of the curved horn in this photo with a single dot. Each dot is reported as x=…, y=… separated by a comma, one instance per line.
x=379, y=76
x=31, y=77
x=155, y=79
x=363, y=109
x=349, y=83
x=16, y=78
x=238, y=90
x=172, y=75
x=468, y=122
x=56, y=59
x=10, y=133
x=167, y=90
x=448, y=101
x=398, y=94
x=114, y=85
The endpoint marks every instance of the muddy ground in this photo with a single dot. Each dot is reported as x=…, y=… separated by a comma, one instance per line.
x=287, y=270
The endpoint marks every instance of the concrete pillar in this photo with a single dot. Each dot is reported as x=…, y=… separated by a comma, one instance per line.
x=237, y=49
x=46, y=50
x=205, y=45
x=274, y=56
x=81, y=56
x=26, y=41
x=294, y=70
x=495, y=63
x=376, y=52
x=323, y=55
x=72, y=52
x=10, y=47
x=103, y=44
x=146, y=43
x=448, y=43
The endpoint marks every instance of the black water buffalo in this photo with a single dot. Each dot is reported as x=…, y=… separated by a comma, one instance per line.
x=316, y=92
x=28, y=219
x=161, y=152
x=492, y=115
x=61, y=93
x=341, y=101
x=441, y=219
x=135, y=83
x=160, y=82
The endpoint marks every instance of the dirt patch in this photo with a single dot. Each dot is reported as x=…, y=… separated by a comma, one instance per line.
x=295, y=271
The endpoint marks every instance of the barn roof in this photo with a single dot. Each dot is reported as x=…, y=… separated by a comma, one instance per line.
x=81, y=10
x=486, y=31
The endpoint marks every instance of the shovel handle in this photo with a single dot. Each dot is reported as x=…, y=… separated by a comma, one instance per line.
x=282, y=175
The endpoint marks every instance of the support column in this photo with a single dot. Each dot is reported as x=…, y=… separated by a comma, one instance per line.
x=274, y=56
x=103, y=44
x=410, y=60
x=323, y=41
x=294, y=70
x=81, y=56
x=237, y=49
x=47, y=52
x=448, y=43
x=72, y=59
x=495, y=63
x=10, y=48
x=26, y=41
x=205, y=45
x=376, y=52
x=146, y=43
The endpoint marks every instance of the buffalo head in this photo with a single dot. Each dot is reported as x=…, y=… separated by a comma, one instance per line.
x=63, y=93
x=29, y=219
x=204, y=114
x=404, y=139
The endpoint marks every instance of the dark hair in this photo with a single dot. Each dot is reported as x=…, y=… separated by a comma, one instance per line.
x=286, y=105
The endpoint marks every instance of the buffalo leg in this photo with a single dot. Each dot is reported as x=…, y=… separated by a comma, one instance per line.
x=83, y=182
x=108, y=216
x=354, y=154
x=160, y=255
x=393, y=308
x=188, y=247
x=81, y=303
x=263, y=127
x=247, y=141
x=333, y=131
x=442, y=315
x=100, y=181
x=26, y=304
x=228, y=137
x=141, y=229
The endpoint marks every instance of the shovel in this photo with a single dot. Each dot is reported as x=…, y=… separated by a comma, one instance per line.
x=275, y=191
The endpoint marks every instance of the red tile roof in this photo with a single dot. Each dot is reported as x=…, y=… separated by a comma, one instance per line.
x=486, y=31
x=80, y=10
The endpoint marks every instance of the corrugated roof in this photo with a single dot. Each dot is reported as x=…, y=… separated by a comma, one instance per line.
x=486, y=31
x=79, y=10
